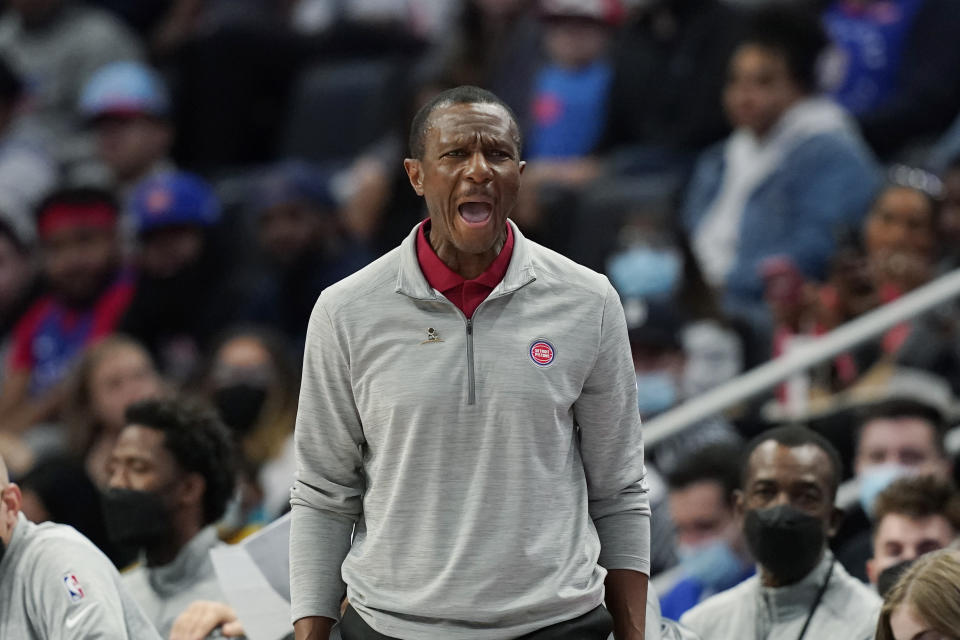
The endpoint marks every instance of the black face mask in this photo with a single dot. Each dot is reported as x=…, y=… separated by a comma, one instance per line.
x=136, y=518
x=889, y=576
x=240, y=405
x=786, y=541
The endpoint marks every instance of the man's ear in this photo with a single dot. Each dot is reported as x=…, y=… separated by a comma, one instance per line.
x=192, y=488
x=415, y=173
x=12, y=500
x=523, y=165
x=872, y=573
x=739, y=505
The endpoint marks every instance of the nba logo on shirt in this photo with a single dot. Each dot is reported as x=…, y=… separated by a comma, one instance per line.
x=542, y=352
x=72, y=585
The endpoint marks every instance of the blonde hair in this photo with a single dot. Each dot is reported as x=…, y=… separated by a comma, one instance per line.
x=83, y=427
x=932, y=588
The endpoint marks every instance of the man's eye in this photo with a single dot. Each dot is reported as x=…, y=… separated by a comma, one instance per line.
x=456, y=153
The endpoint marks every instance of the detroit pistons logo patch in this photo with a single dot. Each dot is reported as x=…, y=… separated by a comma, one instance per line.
x=542, y=352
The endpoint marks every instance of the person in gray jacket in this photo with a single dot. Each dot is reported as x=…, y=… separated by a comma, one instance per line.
x=54, y=583
x=171, y=474
x=468, y=411
x=801, y=592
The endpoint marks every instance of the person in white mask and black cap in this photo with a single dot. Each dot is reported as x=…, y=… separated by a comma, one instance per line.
x=786, y=501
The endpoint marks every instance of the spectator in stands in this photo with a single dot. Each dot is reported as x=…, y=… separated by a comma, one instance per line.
x=569, y=96
x=171, y=475
x=786, y=501
x=948, y=229
x=675, y=360
x=669, y=68
x=56, y=584
x=895, y=438
x=56, y=45
x=900, y=232
x=305, y=246
x=253, y=381
x=109, y=377
x=889, y=67
x=128, y=106
x=792, y=174
x=185, y=291
x=570, y=91
x=713, y=553
x=19, y=285
x=913, y=516
x=28, y=171
x=497, y=46
x=925, y=603
x=652, y=261
x=88, y=293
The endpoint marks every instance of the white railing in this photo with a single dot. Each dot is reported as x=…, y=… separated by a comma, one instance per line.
x=810, y=354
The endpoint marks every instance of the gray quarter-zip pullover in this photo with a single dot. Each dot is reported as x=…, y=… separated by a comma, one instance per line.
x=493, y=467
x=165, y=592
x=848, y=611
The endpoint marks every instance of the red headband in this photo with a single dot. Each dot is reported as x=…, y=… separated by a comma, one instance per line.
x=61, y=216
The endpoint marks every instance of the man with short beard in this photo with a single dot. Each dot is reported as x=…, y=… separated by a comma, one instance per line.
x=786, y=503
x=55, y=584
x=171, y=476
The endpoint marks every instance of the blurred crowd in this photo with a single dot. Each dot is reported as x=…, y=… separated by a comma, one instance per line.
x=179, y=179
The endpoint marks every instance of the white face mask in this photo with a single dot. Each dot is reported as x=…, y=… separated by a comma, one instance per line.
x=873, y=480
x=714, y=356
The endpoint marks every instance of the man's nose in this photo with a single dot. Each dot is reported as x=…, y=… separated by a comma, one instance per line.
x=478, y=169
x=117, y=479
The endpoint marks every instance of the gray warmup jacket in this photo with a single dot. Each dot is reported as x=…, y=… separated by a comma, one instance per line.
x=165, y=592
x=481, y=511
x=749, y=611
x=55, y=584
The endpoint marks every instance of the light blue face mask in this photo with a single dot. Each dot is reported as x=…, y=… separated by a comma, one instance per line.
x=874, y=480
x=713, y=564
x=656, y=392
x=646, y=272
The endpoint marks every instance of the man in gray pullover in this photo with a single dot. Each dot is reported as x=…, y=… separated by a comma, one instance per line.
x=468, y=413
x=55, y=584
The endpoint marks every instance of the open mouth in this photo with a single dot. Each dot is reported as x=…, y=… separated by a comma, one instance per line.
x=475, y=213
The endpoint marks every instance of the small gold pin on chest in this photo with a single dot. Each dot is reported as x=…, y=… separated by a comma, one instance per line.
x=432, y=336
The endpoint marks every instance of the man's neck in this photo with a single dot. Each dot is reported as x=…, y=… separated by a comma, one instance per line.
x=163, y=554
x=466, y=265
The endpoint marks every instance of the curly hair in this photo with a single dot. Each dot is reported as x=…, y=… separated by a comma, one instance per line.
x=198, y=441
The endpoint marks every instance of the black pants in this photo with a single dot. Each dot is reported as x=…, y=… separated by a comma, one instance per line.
x=595, y=625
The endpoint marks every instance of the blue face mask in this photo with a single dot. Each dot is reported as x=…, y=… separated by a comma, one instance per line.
x=645, y=272
x=656, y=392
x=713, y=564
x=874, y=480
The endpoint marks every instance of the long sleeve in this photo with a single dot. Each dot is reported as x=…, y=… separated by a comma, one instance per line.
x=326, y=495
x=612, y=448
x=76, y=596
